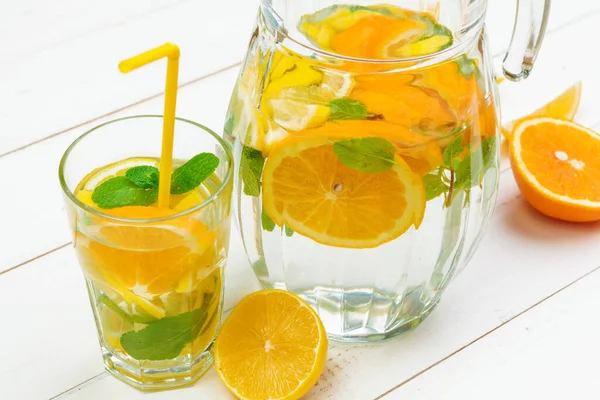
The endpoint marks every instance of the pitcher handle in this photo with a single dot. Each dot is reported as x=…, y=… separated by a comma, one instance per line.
x=530, y=26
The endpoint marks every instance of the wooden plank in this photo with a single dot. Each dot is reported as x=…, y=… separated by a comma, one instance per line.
x=31, y=227
x=550, y=352
x=60, y=86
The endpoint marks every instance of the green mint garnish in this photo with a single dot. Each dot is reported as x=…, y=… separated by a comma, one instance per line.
x=165, y=338
x=145, y=176
x=365, y=154
x=452, y=151
x=488, y=151
x=228, y=128
x=465, y=177
x=251, y=167
x=466, y=66
x=461, y=174
x=347, y=109
x=121, y=191
x=191, y=174
x=139, y=186
x=434, y=186
x=267, y=223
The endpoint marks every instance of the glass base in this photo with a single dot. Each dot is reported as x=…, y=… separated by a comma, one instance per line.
x=147, y=377
x=367, y=315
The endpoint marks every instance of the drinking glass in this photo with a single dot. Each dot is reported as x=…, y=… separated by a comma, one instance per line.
x=155, y=284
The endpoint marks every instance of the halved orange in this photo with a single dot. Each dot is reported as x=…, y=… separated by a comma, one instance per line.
x=557, y=168
x=564, y=106
x=272, y=346
x=307, y=188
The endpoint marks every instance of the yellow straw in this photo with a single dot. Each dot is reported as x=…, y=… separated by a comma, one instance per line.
x=171, y=52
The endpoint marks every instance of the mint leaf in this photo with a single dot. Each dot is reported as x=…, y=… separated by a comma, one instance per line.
x=488, y=152
x=463, y=173
x=453, y=150
x=466, y=66
x=104, y=299
x=191, y=174
x=165, y=338
x=251, y=167
x=365, y=154
x=267, y=222
x=346, y=109
x=145, y=176
x=121, y=191
x=434, y=186
x=228, y=128
x=288, y=231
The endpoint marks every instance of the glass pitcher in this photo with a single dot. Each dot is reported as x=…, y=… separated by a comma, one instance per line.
x=366, y=146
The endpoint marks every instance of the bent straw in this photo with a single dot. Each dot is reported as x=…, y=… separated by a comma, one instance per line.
x=171, y=52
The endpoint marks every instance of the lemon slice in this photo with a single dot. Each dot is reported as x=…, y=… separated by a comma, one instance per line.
x=301, y=75
x=273, y=135
x=295, y=115
x=272, y=346
x=428, y=45
x=248, y=127
x=99, y=175
x=340, y=85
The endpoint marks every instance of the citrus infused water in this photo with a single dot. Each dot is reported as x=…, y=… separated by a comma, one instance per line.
x=367, y=163
x=154, y=274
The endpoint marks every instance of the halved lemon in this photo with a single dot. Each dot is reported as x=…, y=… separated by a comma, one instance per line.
x=556, y=166
x=307, y=188
x=272, y=346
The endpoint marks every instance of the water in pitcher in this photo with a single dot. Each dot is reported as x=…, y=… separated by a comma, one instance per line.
x=366, y=162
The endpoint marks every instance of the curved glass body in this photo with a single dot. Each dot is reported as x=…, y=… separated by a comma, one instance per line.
x=154, y=276
x=366, y=147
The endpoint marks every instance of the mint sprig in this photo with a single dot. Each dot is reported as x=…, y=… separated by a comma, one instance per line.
x=251, y=168
x=365, y=154
x=165, y=338
x=347, y=109
x=145, y=176
x=139, y=186
x=121, y=191
x=191, y=174
x=460, y=173
x=269, y=225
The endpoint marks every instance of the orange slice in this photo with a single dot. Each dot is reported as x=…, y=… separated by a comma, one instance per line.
x=307, y=188
x=147, y=259
x=272, y=346
x=565, y=106
x=557, y=168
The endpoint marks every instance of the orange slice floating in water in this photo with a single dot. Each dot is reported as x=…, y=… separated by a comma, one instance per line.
x=557, y=168
x=146, y=259
x=272, y=346
x=307, y=188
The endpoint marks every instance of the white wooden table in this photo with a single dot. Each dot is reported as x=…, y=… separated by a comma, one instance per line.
x=521, y=321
